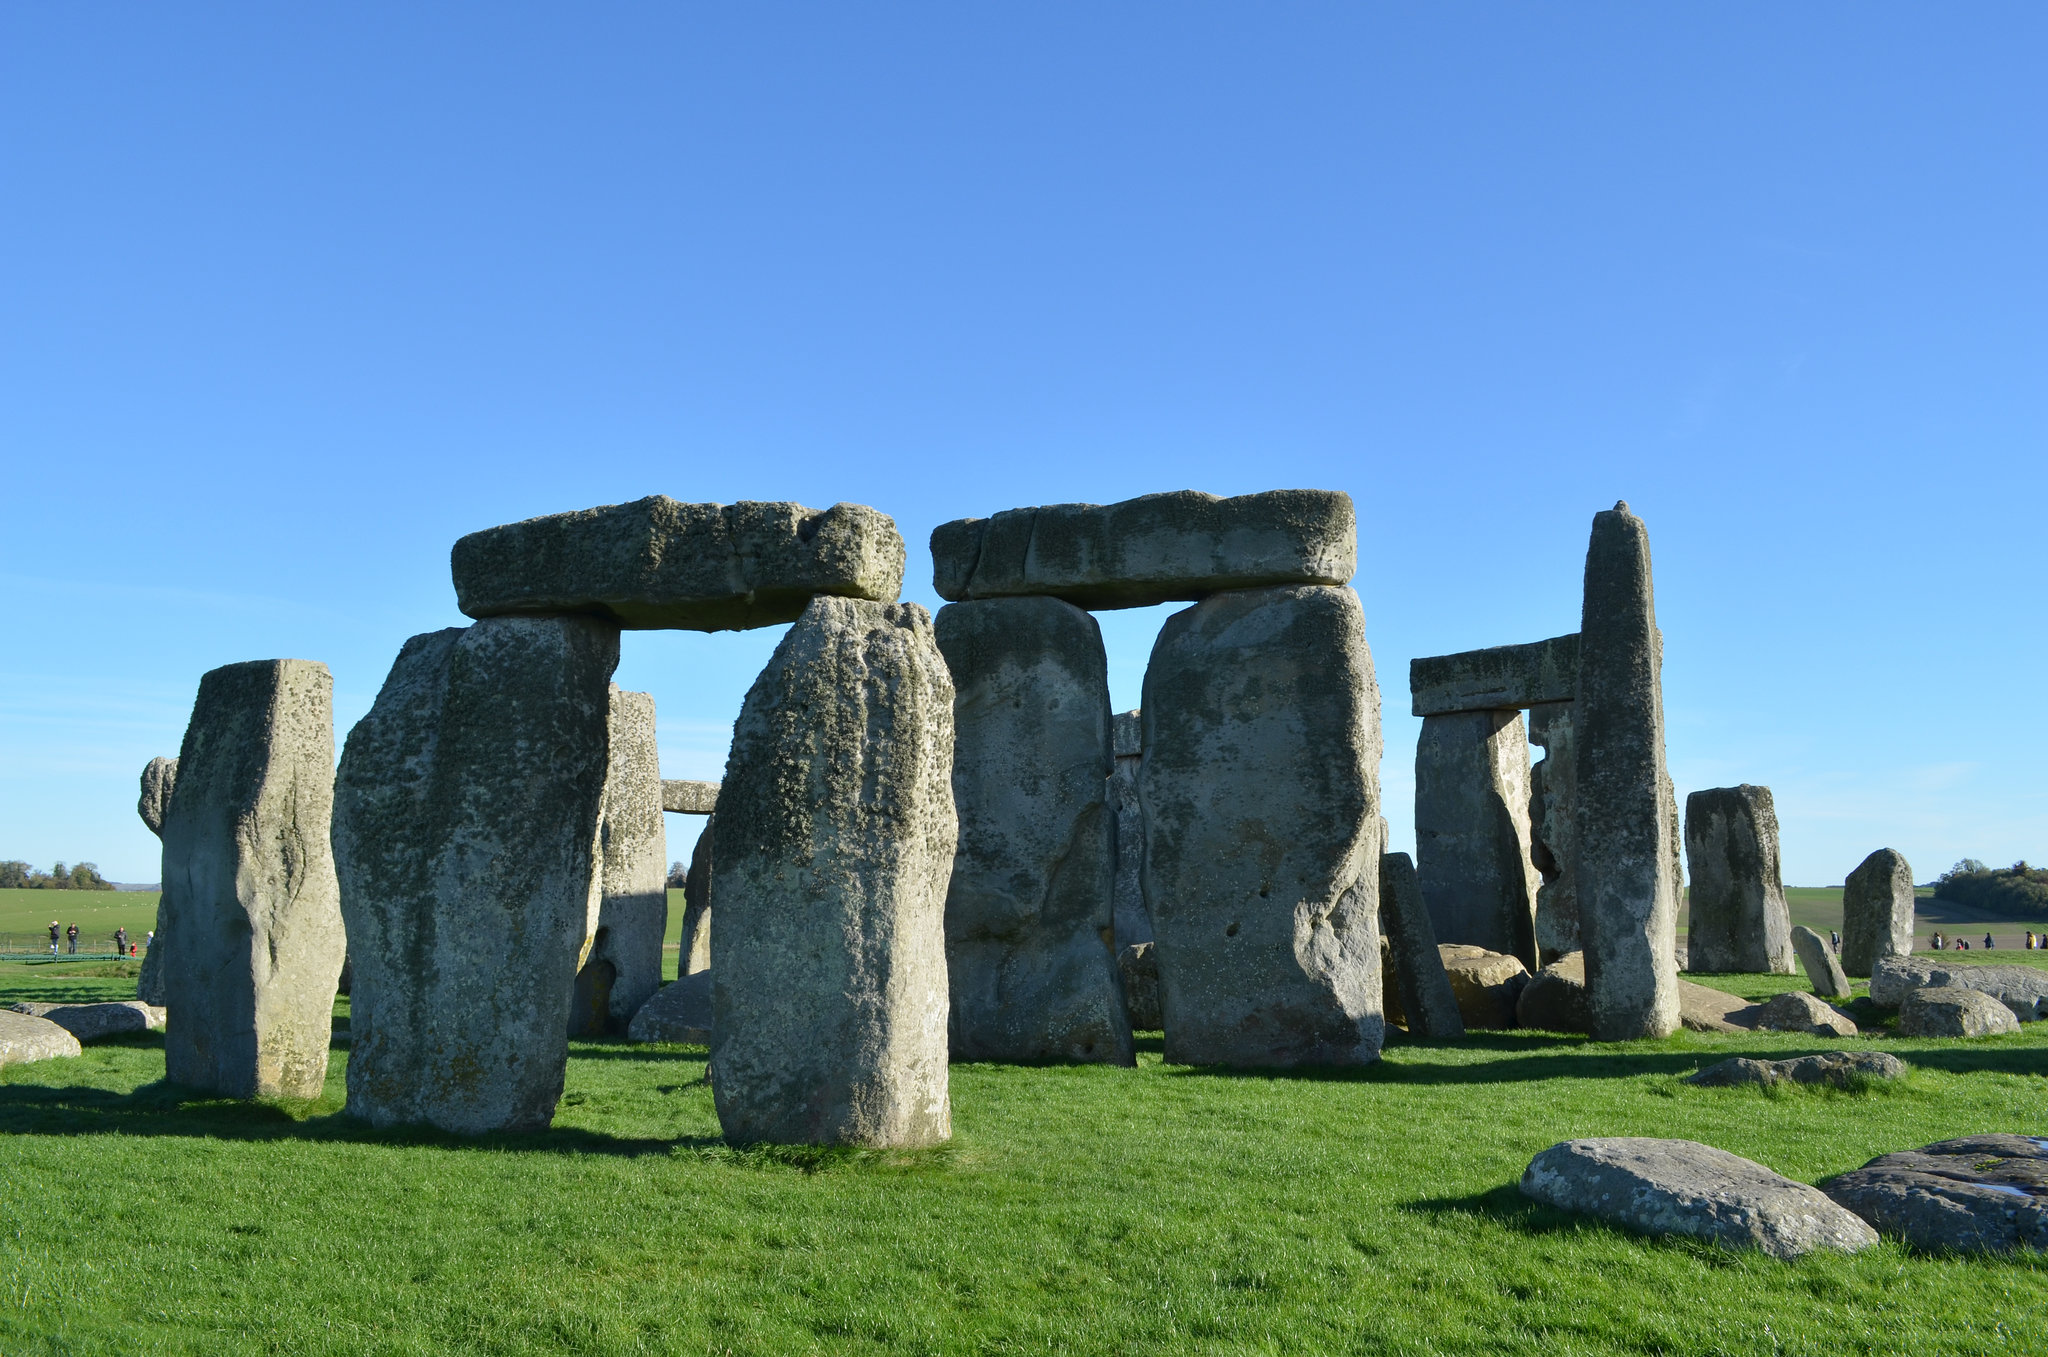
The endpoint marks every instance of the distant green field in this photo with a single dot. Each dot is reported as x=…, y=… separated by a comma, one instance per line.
x=26, y=915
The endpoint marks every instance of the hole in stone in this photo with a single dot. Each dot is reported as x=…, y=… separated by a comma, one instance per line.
x=1230, y=932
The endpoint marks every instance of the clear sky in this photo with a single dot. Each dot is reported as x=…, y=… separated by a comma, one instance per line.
x=291, y=297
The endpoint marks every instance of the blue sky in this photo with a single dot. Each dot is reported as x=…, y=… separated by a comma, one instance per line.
x=295, y=296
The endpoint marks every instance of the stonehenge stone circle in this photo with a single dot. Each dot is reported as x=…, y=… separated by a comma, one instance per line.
x=1180, y=546
x=465, y=830
x=1425, y=991
x=1627, y=838
x=158, y=778
x=624, y=966
x=1877, y=912
x=834, y=842
x=250, y=906
x=1553, y=830
x=1260, y=788
x=1029, y=937
x=1472, y=837
x=1739, y=921
x=696, y=933
x=1132, y=924
x=657, y=563
x=1497, y=678
x=684, y=797
x=1823, y=968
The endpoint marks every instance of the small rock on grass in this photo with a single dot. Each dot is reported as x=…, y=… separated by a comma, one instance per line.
x=1838, y=1068
x=1947, y=1011
x=1797, y=1011
x=90, y=1022
x=25, y=1039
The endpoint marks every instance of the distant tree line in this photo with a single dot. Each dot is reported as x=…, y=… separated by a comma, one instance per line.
x=2018, y=891
x=84, y=877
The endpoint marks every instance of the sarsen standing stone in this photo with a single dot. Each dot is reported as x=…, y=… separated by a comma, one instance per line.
x=624, y=966
x=1739, y=921
x=1877, y=911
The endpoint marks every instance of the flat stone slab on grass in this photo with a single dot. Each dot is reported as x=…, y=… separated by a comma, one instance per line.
x=1979, y=1194
x=1681, y=1187
x=1950, y=1011
x=25, y=1039
x=1797, y=1011
x=2023, y=989
x=657, y=563
x=1840, y=1069
x=90, y=1022
x=679, y=1011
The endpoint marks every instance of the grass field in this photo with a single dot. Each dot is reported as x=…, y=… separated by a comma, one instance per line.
x=1155, y=1210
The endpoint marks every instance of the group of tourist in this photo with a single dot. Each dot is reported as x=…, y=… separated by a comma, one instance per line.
x=1941, y=943
x=122, y=947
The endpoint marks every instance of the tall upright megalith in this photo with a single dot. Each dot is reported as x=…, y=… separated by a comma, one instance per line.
x=696, y=935
x=249, y=896
x=1030, y=944
x=1260, y=786
x=1738, y=916
x=159, y=777
x=623, y=968
x=1472, y=832
x=1553, y=829
x=834, y=840
x=465, y=831
x=1627, y=841
x=1133, y=925
x=1877, y=911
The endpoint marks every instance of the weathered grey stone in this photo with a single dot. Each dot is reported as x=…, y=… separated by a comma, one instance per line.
x=1701, y=1008
x=684, y=797
x=1127, y=734
x=465, y=827
x=1798, y=1011
x=1949, y=1011
x=1553, y=833
x=1472, y=831
x=1133, y=925
x=1030, y=950
x=1555, y=1000
x=1877, y=911
x=1823, y=968
x=1837, y=1069
x=1184, y=545
x=1627, y=838
x=678, y=1011
x=1139, y=964
x=1428, y=1005
x=623, y=968
x=1260, y=786
x=1979, y=1194
x=2023, y=989
x=1487, y=985
x=656, y=563
x=1739, y=921
x=696, y=934
x=91, y=1022
x=25, y=1039
x=250, y=916
x=149, y=985
x=1496, y=678
x=1681, y=1187
x=834, y=842
x=159, y=776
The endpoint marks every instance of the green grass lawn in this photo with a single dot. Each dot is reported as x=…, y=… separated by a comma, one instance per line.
x=1155, y=1210
x=25, y=915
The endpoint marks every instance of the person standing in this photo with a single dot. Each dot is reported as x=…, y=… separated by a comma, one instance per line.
x=72, y=934
x=1988, y=943
x=121, y=941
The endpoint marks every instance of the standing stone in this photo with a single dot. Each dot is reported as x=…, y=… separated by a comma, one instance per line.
x=1739, y=921
x=1133, y=924
x=158, y=778
x=1553, y=830
x=1627, y=840
x=249, y=896
x=1030, y=949
x=1823, y=968
x=696, y=936
x=465, y=829
x=1260, y=786
x=1877, y=912
x=1472, y=831
x=1425, y=991
x=835, y=839
x=624, y=966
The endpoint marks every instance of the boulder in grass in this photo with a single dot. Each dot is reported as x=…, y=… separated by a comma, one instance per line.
x=679, y=1011
x=91, y=1022
x=1839, y=1069
x=1979, y=1194
x=1555, y=998
x=2023, y=989
x=1486, y=984
x=1681, y=1187
x=25, y=1039
x=1798, y=1011
x=1948, y=1011
x=1702, y=1008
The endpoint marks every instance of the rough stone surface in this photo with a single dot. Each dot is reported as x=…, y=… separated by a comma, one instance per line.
x=1139, y=964
x=1738, y=919
x=149, y=985
x=1838, y=1069
x=1681, y=1187
x=1030, y=946
x=1133, y=925
x=1428, y=1004
x=250, y=916
x=1472, y=849
x=1817, y=958
x=835, y=839
x=2023, y=989
x=1487, y=985
x=25, y=1039
x=1260, y=786
x=465, y=828
x=623, y=968
x=1948, y=1011
x=1797, y=1011
x=1555, y=1000
x=1489, y=680
x=678, y=1011
x=1627, y=840
x=159, y=776
x=684, y=797
x=90, y=1022
x=1702, y=1008
x=1979, y=1194
x=1184, y=545
x=696, y=934
x=657, y=563
x=1553, y=835
x=1877, y=912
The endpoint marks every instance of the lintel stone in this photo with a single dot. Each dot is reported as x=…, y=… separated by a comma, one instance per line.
x=682, y=797
x=1496, y=678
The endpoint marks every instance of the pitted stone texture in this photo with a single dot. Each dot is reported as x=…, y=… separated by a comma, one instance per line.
x=465, y=827
x=1472, y=848
x=1029, y=942
x=1797, y=1011
x=1817, y=958
x=1556, y=1001
x=679, y=1011
x=835, y=839
x=1948, y=1011
x=1427, y=1001
x=25, y=1039
x=696, y=934
x=91, y=1022
x=1127, y=734
x=684, y=797
x=159, y=776
x=250, y=915
x=2023, y=989
x=1553, y=833
x=1681, y=1187
x=1180, y=546
x=1979, y=1194
x=1837, y=1069
x=1702, y=1008
x=1738, y=916
x=657, y=563
x=1877, y=912
x=623, y=968
x=1132, y=924
x=1260, y=786
x=1496, y=678
x=149, y=985
x=1487, y=985
x=1627, y=837
x=1139, y=964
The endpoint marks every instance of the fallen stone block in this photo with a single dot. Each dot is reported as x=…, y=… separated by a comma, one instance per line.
x=1837, y=1069
x=680, y=1011
x=680, y=796
x=2023, y=989
x=91, y=1022
x=1554, y=1000
x=1979, y=1194
x=1486, y=984
x=25, y=1039
x=1797, y=1011
x=1947, y=1011
x=1495, y=678
x=1702, y=1008
x=1823, y=968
